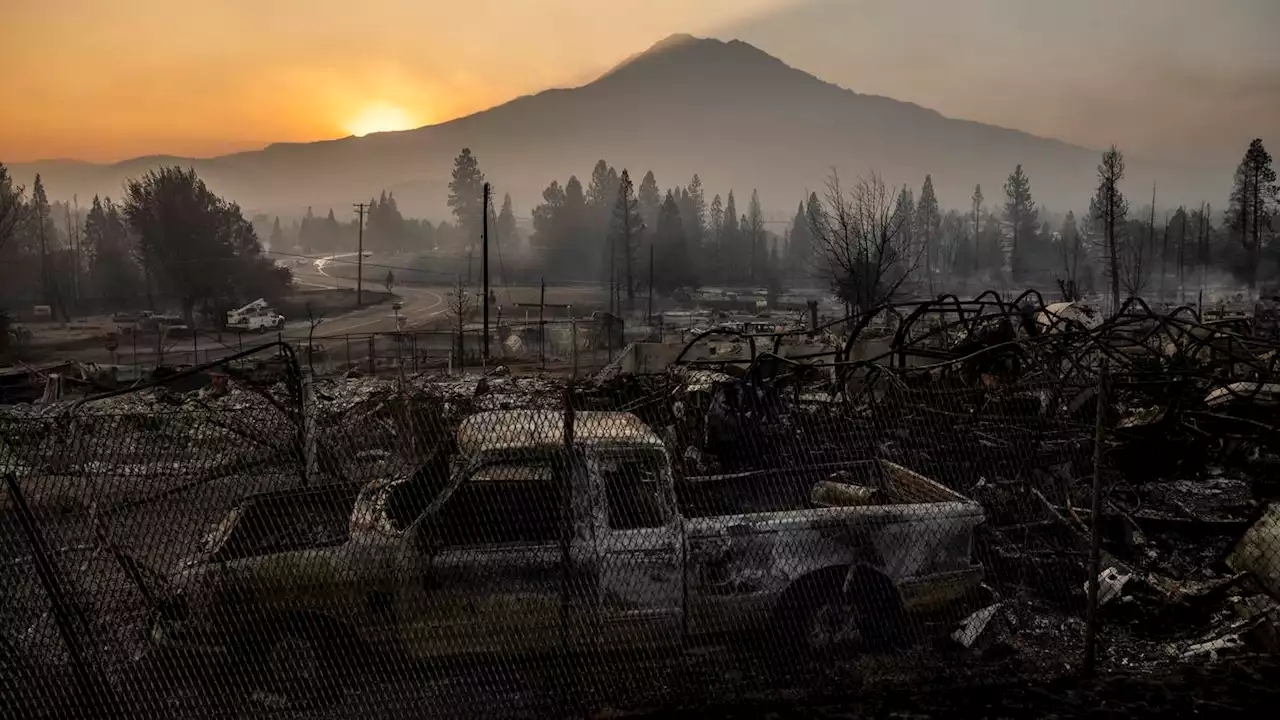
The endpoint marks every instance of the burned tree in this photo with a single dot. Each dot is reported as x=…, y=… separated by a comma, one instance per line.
x=1109, y=209
x=859, y=236
x=1072, y=254
x=1136, y=252
x=458, y=306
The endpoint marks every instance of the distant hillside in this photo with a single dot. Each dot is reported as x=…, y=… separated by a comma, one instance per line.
x=726, y=110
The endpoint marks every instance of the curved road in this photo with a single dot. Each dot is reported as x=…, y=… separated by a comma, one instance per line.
x=419, y=306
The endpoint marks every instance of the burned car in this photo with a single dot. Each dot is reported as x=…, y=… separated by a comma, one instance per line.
x=540, y=533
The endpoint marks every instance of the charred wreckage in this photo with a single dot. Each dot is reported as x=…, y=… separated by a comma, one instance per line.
x=923, y=473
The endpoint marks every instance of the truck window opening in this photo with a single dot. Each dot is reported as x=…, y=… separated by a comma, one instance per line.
x=504, y=504
x=633, y=491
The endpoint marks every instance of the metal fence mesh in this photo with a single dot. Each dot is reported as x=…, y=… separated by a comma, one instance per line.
x=262, y=542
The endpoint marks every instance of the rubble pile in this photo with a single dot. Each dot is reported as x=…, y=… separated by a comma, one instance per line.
x=999, y=401
x=242, y=422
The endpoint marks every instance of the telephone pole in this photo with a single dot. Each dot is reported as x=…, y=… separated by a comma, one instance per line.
x=360, y=208
x=649, y=313
x=484, y=265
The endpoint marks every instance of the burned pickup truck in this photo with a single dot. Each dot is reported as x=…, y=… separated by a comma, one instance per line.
x=539, y=532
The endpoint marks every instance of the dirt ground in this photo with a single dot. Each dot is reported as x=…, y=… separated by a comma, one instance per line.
x=1228, y=689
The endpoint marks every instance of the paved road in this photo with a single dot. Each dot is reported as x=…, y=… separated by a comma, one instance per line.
x=419, y=306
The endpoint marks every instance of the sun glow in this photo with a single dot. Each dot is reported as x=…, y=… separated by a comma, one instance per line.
x=380, y=118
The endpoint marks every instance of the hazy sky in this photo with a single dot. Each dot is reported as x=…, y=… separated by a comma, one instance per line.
x=106, y=80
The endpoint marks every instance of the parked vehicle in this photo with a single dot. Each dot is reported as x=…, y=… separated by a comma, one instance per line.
x=257, y=316
x=518, y=540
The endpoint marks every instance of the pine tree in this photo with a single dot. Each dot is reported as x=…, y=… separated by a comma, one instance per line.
x=506, y=229
x=799, y=245
x=276, y=239
x=602, y=195
x=1021, y=214
x=695, y=219
x=573, y=224
x=466, y=196
x=672, y=268
x=773, y=271
x=756, y=237
x=624, y=234
x=331, y=231
x=112, y=273
x=307, y=233
x=929, y=227
x=1253, y=203
x=650, y=200
x=393, y=227
x=731, y=254
x=44, y=236
x=547, y=236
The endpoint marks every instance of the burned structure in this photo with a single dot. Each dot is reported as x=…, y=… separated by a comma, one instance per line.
x=919, y=488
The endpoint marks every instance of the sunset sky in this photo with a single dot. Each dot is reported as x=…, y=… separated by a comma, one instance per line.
x=102, y=80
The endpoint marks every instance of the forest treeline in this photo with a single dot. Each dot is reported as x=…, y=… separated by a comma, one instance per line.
x=858, y=238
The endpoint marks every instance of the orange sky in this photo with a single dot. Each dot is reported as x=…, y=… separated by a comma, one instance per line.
x=105, y=80
x=111, y=79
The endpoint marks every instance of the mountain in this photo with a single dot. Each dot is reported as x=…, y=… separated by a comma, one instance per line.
x=736, y=115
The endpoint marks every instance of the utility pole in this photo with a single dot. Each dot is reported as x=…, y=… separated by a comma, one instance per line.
x=649, y=313
x=75, y=271
x=484, y=265
x=1164, y=254
x=542, y=323
x=1182, y=259
x=44, y=257
x=360, y=208
x=79, y=248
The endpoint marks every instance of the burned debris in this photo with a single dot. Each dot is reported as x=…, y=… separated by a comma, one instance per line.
x=947, y=437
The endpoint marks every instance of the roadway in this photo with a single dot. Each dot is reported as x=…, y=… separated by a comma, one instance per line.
x=420, y=307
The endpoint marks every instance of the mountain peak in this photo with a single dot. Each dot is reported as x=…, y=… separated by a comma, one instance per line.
x=683, y=54
x=671, y=41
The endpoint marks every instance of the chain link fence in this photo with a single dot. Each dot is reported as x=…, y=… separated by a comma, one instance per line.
x=243, y=539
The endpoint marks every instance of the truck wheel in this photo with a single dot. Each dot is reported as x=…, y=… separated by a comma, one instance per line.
x=830, y=622
x=295, y=667
x=819, y=617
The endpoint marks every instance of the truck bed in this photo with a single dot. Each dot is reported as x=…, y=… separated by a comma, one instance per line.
x=790, y=489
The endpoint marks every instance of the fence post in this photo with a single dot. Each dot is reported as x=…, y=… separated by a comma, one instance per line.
x=91, y=684
x=373, y=357
x=308, y=430
x=1095, y=514
x=573, y=346
x=566, y=517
